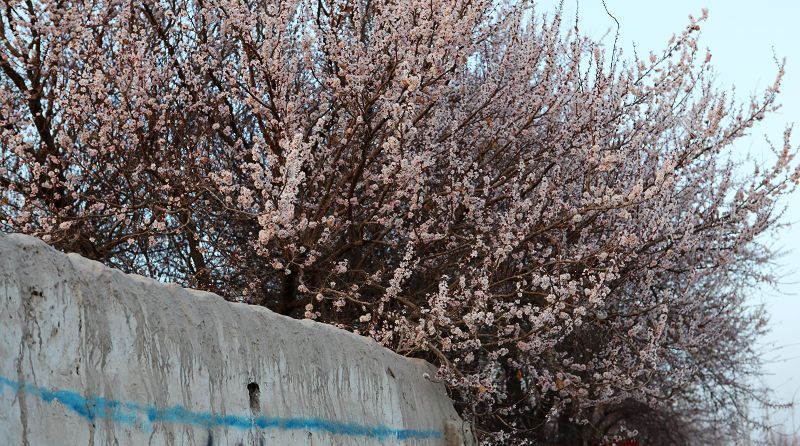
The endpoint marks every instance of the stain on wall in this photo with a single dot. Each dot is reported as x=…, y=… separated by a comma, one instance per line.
x=143, y=416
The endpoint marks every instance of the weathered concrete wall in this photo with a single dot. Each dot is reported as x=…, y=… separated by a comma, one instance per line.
x=89, y=355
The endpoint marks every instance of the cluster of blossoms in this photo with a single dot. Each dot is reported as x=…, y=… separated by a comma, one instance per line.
x=563, y=231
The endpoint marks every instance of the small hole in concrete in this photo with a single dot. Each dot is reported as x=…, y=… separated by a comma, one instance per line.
x=255, y=397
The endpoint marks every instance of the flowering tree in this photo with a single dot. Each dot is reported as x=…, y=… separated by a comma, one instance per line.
x=562, y=230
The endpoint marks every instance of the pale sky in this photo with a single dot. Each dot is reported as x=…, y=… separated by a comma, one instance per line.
x=744, y=37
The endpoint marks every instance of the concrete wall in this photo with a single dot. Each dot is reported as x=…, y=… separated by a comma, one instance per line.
x=89, y=355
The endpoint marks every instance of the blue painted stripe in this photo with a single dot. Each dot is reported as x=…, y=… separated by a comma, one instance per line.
x=94, y=407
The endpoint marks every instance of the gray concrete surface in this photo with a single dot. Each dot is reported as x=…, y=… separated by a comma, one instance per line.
x=92, y=356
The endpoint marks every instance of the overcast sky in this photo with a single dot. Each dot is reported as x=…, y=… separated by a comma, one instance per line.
x=744, y=37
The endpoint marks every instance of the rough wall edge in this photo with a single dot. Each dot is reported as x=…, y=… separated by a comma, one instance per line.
x=80, y=262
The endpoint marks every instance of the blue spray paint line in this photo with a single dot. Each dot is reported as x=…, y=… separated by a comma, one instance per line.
x=93, y=407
